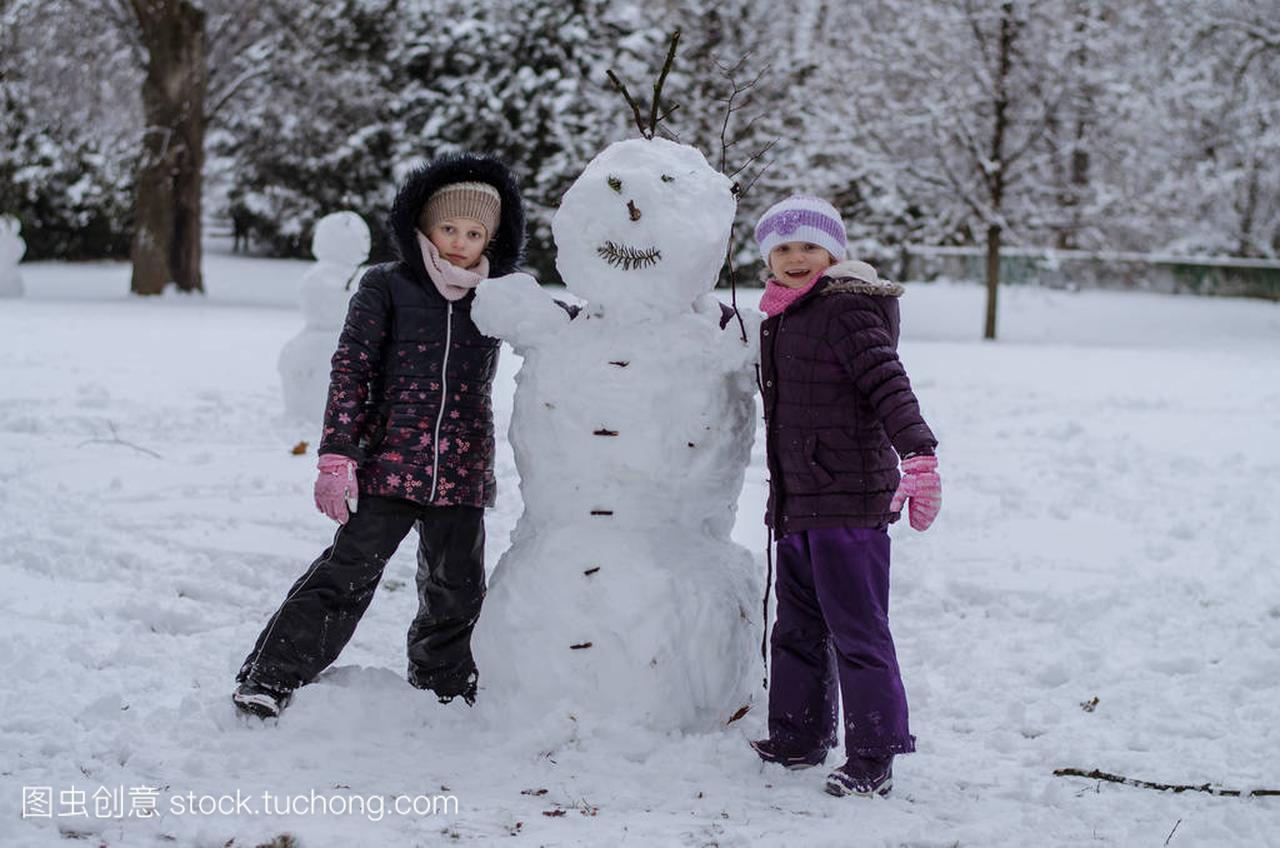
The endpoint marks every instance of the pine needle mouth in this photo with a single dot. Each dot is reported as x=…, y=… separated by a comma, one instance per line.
x=628, y=258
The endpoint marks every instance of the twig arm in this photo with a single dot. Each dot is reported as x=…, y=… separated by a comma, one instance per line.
x=631, y=101
x=662, y=79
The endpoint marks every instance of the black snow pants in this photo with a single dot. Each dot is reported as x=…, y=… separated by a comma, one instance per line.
x=320, y=613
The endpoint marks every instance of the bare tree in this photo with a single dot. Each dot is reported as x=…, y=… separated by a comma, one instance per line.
x=1070, y=129
x=965, y=110
x=1235, y=73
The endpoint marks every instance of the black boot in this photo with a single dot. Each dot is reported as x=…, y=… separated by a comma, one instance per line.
x=447, y=688
x=262, y=701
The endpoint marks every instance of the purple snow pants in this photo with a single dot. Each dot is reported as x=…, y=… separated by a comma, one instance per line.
x=833, y=630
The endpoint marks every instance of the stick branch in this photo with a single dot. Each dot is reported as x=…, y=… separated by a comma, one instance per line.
x=1165, y=787
x=116, y=440
x=649, y=128
x=662, y=79
x=763, y=168
x=733, y=289
x=631, y=101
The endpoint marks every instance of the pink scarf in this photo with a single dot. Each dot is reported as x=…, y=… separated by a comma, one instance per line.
x=778, y=297
x=451, y=281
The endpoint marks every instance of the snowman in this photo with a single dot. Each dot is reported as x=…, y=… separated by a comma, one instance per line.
x=12, y=248
x=622, y=596
x=340, y=245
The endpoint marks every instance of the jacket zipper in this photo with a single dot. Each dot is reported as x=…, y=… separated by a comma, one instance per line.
x=444, y=396
x=768, y=432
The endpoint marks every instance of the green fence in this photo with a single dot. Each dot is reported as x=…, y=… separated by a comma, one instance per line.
x=1217, y=276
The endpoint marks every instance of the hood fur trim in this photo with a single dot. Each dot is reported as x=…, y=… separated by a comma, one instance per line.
x=858, y=277
x=505, y=249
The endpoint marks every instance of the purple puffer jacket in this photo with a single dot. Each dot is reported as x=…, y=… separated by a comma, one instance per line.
x=838, y=407
x=411, y=381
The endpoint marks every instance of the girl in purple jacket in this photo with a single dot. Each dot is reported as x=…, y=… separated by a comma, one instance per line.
x=408, y=440
x=840, y=417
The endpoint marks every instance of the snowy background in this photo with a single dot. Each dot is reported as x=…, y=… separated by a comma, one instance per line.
x=1108, y=531
x=1143, y=126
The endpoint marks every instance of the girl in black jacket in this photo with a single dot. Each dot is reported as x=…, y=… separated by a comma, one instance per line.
x=408, y=440
x=839, y=413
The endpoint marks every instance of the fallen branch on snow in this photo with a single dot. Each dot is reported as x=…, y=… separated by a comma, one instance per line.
x=116, y=440
x=1164, y=787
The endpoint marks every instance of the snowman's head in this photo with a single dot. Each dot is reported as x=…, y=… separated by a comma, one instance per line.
x=341, y=238
x=645, y=227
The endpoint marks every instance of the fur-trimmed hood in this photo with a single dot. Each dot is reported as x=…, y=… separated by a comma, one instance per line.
x=506, y=248
x=860, y=278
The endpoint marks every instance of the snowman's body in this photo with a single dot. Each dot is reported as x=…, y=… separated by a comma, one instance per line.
x=12, y=248
x=622, y=595
x=340, y=245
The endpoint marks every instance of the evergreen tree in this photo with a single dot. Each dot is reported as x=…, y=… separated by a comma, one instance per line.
x=64, y=158
x=521, y=79
x=313, y=133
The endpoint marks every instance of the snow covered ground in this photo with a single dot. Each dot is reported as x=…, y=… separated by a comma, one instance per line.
x=1109, y=531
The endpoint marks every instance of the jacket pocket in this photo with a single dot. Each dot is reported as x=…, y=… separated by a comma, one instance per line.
x=821, y=475
x=375, y=427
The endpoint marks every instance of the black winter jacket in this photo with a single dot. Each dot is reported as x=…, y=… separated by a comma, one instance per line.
x=411, y=382
x=838, y=407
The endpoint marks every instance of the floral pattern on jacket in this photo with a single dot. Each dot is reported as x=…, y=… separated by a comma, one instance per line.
x=411, y=381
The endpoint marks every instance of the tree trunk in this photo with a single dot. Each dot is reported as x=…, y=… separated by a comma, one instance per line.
x=1248, y=208
x=999, y=127
x=1084, y=108
x=167, y=223
x=993, y=279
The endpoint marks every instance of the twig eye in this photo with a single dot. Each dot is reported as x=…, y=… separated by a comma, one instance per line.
x=615, y=183
x=667, y=178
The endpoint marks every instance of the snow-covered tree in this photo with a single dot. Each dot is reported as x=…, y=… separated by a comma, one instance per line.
x=1228, y=100
x=1066, y=123
x=65, y=145
x=523, y=79
x=966, y=110
x=314, y=131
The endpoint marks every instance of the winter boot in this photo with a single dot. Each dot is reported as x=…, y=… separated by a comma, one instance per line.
x=262, y=701
x=773, y=752
x=461, y=684
x=862, y=776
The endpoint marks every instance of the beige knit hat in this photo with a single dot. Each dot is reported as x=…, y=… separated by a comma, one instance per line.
x=477, y=200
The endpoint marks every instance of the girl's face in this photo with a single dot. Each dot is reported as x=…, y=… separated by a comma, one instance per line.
x=460, y=240
x=795, y=263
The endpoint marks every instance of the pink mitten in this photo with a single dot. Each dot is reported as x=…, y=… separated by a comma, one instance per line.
x=921, y=489
x=336, y=486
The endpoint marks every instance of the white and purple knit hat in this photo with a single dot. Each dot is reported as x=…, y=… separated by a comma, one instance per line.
x=801, y=218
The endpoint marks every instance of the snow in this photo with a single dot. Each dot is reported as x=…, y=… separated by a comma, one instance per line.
x=1108, y=530
x=622, y=600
